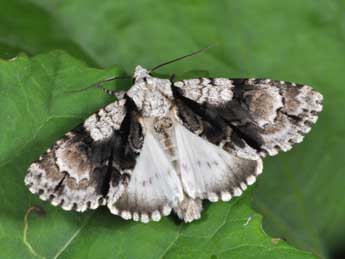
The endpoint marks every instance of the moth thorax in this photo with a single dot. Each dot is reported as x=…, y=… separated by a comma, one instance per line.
x=152, y=96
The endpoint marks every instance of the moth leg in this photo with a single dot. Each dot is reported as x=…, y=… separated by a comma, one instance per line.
x=118, y=94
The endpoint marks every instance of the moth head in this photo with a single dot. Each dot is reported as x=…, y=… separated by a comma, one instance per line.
x=152, y=96
x=140, y=74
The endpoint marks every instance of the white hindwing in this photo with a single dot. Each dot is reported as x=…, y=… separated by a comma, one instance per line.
x=207, y=171
x=154, y=187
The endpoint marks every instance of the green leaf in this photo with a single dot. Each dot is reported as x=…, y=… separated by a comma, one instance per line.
x=300, y=193
x=39, y=104
x=29, y=28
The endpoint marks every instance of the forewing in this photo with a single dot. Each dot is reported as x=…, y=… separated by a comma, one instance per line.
x=248, y=117
x=75, y=173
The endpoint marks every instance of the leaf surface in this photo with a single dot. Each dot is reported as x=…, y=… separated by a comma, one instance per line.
x=38, y=106
x=301, y=192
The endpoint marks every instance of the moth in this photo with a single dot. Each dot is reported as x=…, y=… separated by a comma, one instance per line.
x=166, y=145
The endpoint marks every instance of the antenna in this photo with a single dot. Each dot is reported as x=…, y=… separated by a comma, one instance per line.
x=118, y=94
x=183, y=57
x=99, y=85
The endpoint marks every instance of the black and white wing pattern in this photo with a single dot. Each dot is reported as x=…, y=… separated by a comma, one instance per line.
x=167, y=146
x=108, y=161
x=80, y=171
x=154, y=187
x=226, y=126
x=249, y=117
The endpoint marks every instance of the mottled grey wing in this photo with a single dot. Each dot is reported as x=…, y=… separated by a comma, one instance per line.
x=248, y=117
x=88, y=165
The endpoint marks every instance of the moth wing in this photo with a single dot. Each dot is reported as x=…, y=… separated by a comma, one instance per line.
x=154, y=187
x=248, y=117
x=208, y=171
x=76, y=171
